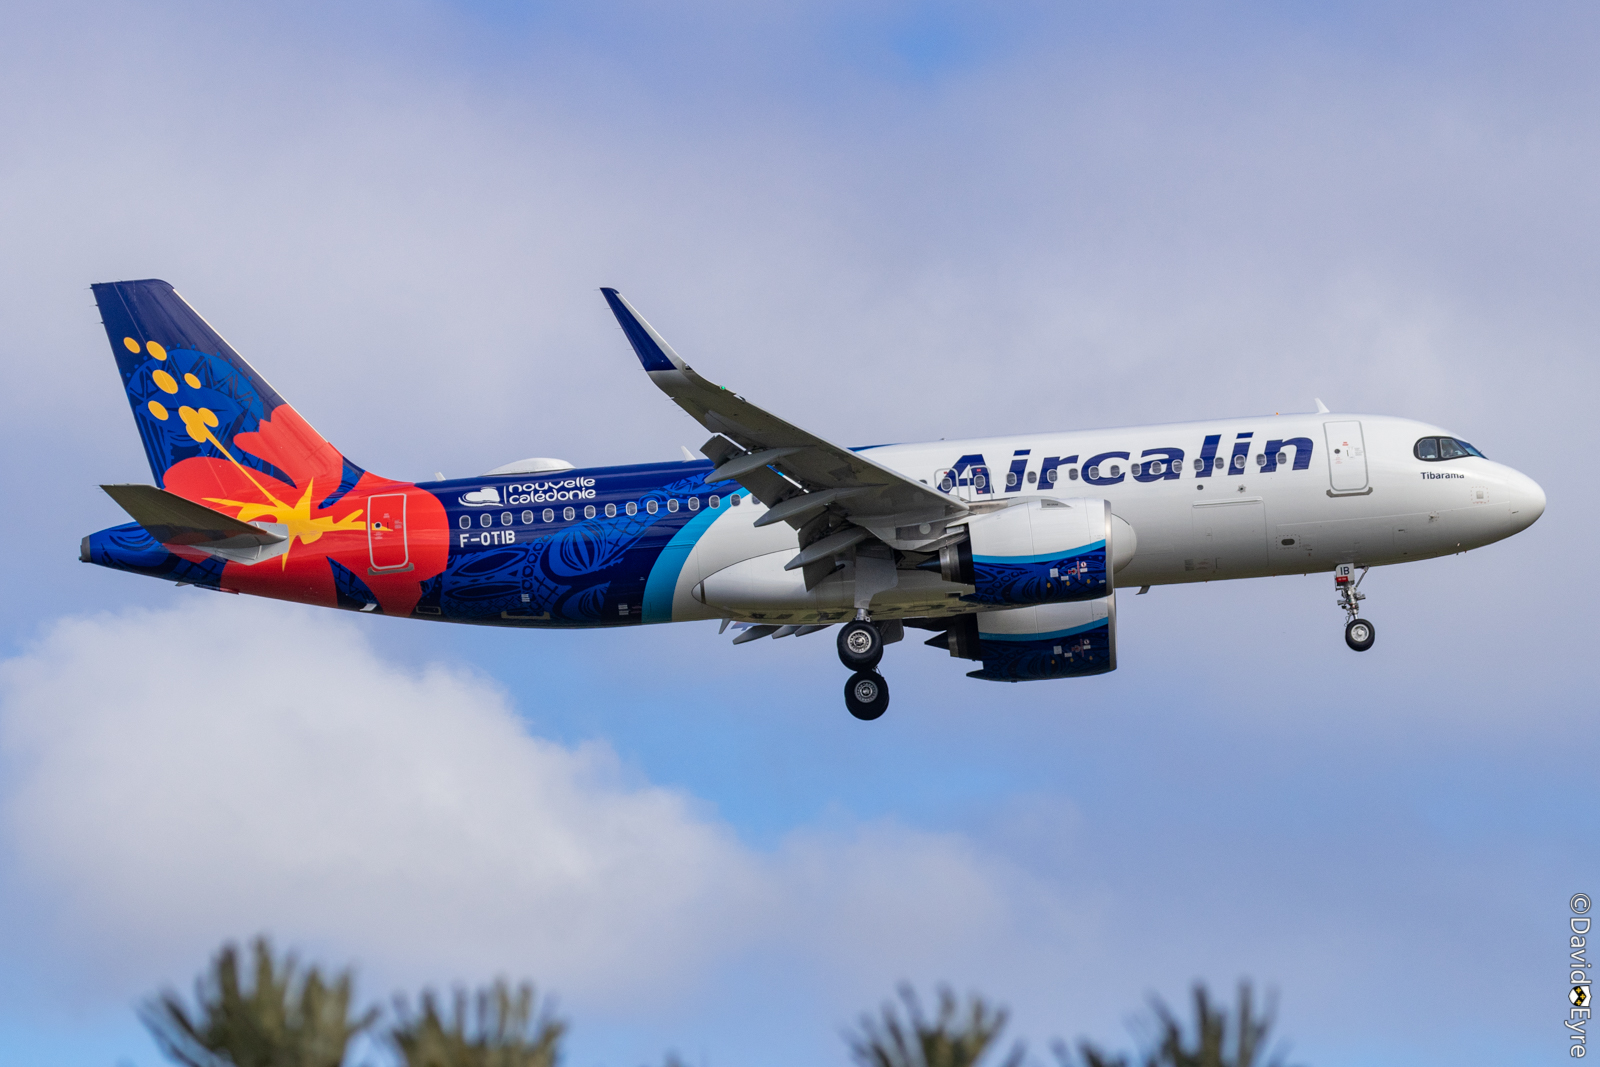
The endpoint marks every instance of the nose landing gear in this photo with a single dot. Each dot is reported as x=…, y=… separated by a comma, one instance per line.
x=1359, y=633
x=866, y=694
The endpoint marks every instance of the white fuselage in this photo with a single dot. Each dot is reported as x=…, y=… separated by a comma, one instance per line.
x=1360, y=496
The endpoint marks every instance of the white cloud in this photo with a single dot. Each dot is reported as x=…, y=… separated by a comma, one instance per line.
x=176, y=778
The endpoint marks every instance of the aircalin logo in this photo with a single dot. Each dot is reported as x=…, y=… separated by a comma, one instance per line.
x=1151, y=465
x=530, y=493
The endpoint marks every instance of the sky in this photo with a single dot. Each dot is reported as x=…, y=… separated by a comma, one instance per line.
x=885, y=222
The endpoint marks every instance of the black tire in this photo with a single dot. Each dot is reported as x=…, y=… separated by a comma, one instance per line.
x=866, y=694
x=1359, y=634
x=860, y=646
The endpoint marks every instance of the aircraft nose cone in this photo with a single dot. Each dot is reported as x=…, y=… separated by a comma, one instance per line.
x=1527, y=501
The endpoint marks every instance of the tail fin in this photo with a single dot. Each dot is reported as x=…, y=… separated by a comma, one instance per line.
x=195, y=398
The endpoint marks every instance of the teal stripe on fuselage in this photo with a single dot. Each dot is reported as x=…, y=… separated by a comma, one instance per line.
x=1048, y=557
x=662, y=585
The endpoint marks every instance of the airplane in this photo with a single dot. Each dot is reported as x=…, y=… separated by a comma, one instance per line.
x=1008, y=550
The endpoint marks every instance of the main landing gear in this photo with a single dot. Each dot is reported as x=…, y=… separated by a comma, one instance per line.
x=866, y=694
x=1359, y=633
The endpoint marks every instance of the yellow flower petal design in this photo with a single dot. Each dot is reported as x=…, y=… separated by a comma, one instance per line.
x=130, y=344
x=156, y=350
x=165, y=381
x=158, y=411
x=194, y=383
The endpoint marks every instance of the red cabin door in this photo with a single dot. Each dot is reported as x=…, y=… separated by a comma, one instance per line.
x=386, y=532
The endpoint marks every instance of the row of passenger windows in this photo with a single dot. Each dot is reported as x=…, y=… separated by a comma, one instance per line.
x=1437, y=448
x=1154, y=467
x=632, y=507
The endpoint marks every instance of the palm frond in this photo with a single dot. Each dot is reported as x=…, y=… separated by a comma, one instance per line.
x=278, y=1018
x=959, y=1035
x=495, y=1027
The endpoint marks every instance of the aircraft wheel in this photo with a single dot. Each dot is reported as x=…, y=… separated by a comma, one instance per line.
x=860, y=646
x=866, y=694
x=1359, y=634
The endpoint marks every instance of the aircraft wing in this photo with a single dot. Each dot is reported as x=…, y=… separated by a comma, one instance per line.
x=798, y=475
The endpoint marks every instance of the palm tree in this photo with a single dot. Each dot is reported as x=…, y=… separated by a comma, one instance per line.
x=280, y=1019
x=503, y=1031
x=959, y=1036
x=1217, y=1042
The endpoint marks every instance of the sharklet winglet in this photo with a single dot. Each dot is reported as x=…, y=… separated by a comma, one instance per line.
x=652, y=350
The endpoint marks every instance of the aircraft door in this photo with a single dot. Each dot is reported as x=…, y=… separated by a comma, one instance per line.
x=386, y=533
x=1347, y=457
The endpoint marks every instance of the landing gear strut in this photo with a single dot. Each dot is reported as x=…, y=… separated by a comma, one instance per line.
x=866, y=694
x=1359, y=633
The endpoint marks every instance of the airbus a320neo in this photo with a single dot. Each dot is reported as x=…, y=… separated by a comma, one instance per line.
x=1008, y=549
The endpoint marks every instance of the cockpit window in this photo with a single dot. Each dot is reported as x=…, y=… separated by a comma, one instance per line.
x=1438, y=448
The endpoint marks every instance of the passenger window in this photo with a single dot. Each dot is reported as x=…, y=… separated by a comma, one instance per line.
x=1427, y=448
x=716, y=501
x=611, y=511
x=1448, y=449
x=1032, y=477
x=505, y=518
x=672, y=505
x=694, y=503
x=1011, y=478
x=632, y=508
x=1072, y=474
x=1053, y=475
x=736, y=500
x=527, y=518
x=549, y=514
x=651, y=506
x=568, y=514
x=485, y=519
x=466, y=522
x=588, y=511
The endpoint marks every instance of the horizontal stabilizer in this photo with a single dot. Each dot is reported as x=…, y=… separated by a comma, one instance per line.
x=173, y=520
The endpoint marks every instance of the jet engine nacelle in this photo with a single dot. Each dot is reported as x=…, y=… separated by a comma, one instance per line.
x=1041, y=552
x=1036, y=643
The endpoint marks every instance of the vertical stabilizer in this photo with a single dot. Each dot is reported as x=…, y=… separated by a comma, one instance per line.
x=194, y=397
